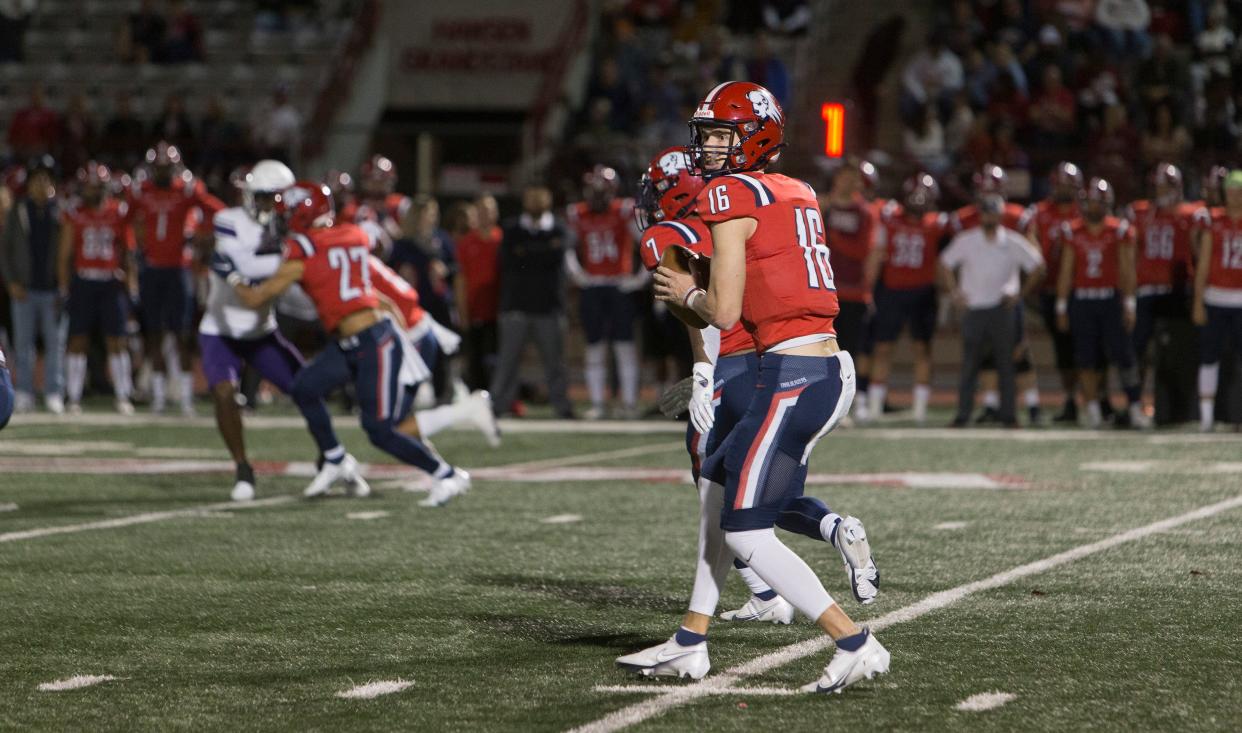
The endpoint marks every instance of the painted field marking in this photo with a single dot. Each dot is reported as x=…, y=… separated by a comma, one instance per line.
x=951, y=525
x=8, y=506
x=365, y=516
x=1197, y=468
x=74, y=683
x=562, y=519
x=666, y=698
x=144, y=518
x=373, y=690
x=984, y=701
x=21, y=447
x=742, y=691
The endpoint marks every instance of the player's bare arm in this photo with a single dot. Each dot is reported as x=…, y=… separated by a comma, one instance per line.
x=1128, y=276
x=254, y=296
x=64, y=256
x=1065, y=278
x=721, y=304
x=1204, y=251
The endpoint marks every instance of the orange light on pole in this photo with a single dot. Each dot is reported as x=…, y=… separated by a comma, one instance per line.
x=834, y=129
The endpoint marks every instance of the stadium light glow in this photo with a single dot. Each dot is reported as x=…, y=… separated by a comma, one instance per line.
x=833, y=114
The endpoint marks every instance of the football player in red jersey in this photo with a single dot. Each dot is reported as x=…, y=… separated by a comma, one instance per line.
x=771, y=272
x=1051, y=216
x=158, y=210
x=378, y=207
x=602, y=269
x=332, y=263
x=1097, y=270
x=94, y=275
x=1165, y=228
x=1218, y=293
x=851, y=232
x=991, y=179
x=904, y=264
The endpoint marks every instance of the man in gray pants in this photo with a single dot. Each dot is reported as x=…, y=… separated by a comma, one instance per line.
x=532, y=300
x=981, y=269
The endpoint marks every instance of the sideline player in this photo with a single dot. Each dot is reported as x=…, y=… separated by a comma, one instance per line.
x=158, y=209
x=904, y=264
x=726, y=365
x=7, y=394
x=1050, y=218
x=1164, y=228
x=602, y=268
x=1218, y=294
x=231, y=334
x=95, y=271
x=1097, y=269
x=771, y=272
x=332, y=262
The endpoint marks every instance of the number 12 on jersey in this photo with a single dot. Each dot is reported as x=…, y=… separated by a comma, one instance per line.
x=810, y=238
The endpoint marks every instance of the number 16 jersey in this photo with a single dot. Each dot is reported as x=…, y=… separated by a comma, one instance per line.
x=790, y=296
x=337, y=274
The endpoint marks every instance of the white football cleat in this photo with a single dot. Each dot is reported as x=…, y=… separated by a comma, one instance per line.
x=346, y=470
x=55, y=404
x=124, y=407
x=594, y=412
x=777, y=611
x=669, y=659
x=444, y=489
x=73, y=408
x=23, y=402
x=483, y=417
x=356, y=485
x=1139, y=419
x=856, y=552
x=846, y=668
x=242, y=491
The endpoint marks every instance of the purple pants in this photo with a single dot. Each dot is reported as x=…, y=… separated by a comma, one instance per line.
x=272, y=356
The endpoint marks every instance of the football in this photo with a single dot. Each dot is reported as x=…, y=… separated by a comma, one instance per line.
x=681, y=259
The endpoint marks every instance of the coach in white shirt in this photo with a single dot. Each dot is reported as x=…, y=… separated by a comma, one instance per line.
x=982, y=270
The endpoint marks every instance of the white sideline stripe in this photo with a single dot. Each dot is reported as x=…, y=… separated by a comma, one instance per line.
x=373, y=690
x=562, y=519
x=562, y=462
x=8, y=506
x=1164, y=466
x=145, y=518
x=747, y=691
x=984, y=701
x=21, y=447
x=366, y=515
x=677, y=696
x=951, y=525
x=75, y=682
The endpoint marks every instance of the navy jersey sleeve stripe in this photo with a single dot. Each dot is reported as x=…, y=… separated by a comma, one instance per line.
x=763, y=196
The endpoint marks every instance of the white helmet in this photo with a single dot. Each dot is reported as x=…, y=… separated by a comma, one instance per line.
x=266, y=177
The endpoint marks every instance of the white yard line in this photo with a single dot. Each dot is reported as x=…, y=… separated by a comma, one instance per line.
x=584, y=458
x=562, y=519
x=366, y=516
x=74, y=683
x=984, y=701
x=668, y=698
x=373, y=690
x=951, y=525
x=145, y=518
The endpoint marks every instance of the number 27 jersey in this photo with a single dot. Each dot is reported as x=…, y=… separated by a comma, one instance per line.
x=790, y=294
x=337, y=274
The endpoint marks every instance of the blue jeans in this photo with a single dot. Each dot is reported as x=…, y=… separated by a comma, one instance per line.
x=39, y=313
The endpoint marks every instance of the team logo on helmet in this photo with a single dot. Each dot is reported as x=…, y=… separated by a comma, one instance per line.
x=673, y=163
x=763, y=103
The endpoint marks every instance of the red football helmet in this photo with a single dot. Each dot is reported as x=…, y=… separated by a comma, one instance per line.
x=668, y=190
x=1099, y=191
x=339, y=181
x=870, y=176
x=163, y=154
x=1214, y=185
x=757, y=123
x=94, y=174
x=1068, y=176
x=1168, y=183
x=990, y=178
x=921, y=193
x=307, y=205
x=378, y=176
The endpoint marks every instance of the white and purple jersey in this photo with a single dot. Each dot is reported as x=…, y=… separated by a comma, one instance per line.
x=239, y=237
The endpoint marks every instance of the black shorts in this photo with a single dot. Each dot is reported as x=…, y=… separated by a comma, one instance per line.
x=1223, y=326
x=1099, y=331
x=854, y=327
x=167, y=299
x=97, y=303
x=895, y=308
x=607, y=314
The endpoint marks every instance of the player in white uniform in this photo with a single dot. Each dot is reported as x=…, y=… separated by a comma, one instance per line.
x=249, y=240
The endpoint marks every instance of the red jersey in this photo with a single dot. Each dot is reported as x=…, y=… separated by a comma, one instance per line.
x=337, y=274
x=605, y=239
x=1164, y=238
x=100, y=239
x=393, y=207
x=1049, y=220
x=790, y=292
x=694, y=235
x=478, y=263
x=1015, y=217
x=910, y=247
x=395, y=288
x=851, y=232
x=1224, y=261
x=163, y=214
x=1097, y=254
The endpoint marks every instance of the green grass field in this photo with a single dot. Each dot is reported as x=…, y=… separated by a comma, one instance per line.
x=213, y=617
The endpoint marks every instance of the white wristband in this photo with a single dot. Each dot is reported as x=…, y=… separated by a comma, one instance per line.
x=234, y=279
x=690, y=296
x=1131, y=303
x=1062, y=306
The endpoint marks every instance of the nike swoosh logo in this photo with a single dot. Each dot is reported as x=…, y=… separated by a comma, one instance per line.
x=664, y=656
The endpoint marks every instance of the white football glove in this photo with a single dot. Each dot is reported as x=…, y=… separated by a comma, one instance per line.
x=702, y=413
